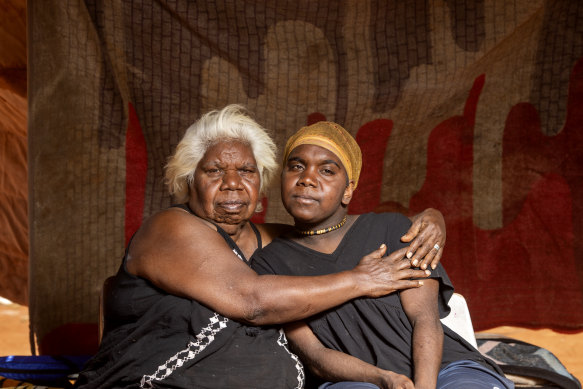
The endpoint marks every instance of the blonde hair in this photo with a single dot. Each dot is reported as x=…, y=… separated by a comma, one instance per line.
x=230, y=123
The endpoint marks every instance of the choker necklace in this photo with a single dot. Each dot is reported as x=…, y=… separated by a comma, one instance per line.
x=323, y=230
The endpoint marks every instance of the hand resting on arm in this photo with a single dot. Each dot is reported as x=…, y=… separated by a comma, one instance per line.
x=427, y=230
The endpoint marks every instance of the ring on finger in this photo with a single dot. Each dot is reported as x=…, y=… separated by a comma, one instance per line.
x=436, y=247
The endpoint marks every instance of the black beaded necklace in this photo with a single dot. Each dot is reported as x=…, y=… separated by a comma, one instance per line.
x=323, y=230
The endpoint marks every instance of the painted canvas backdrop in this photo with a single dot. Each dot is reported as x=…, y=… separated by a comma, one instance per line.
x=470, y=107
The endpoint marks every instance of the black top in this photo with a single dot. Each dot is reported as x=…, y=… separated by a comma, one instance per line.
x=376, y=330
x=155, y=339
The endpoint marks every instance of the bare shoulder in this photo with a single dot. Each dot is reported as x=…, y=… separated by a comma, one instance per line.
x=270, y=231
x=168, y=231
x=184, y=255
x=166, y=223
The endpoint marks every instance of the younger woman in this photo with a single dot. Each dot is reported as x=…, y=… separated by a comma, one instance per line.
x=395, y=341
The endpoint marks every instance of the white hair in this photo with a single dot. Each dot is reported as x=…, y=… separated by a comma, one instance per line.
x=230, y=123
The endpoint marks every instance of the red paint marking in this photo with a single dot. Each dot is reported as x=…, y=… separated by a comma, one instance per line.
x=372, y=138
x=136, y=174
x=259, y=217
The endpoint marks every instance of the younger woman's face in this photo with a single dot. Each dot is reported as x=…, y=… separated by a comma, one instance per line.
x=314, y=185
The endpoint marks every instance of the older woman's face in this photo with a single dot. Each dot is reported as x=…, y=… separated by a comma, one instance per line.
x=226, y=184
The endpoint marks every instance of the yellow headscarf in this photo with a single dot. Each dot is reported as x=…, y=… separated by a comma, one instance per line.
x=334, y=138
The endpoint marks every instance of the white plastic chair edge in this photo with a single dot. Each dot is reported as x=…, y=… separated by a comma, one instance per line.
x=459, y=319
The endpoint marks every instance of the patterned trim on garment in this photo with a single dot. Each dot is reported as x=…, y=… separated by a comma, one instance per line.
x=282, y=341
x=204, y=338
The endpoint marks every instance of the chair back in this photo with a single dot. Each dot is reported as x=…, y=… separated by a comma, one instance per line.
x=459, y=319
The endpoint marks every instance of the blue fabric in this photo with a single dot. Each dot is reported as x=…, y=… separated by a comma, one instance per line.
x=470, y=374
x=41, y=369
x=457, y=375
x=347, y=385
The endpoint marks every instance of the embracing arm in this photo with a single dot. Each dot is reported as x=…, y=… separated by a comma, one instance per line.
x=182, y=255
x=427, y=230
x=420, y=305
x=335, y=366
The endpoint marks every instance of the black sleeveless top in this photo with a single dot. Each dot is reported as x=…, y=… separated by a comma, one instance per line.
x=153, y=339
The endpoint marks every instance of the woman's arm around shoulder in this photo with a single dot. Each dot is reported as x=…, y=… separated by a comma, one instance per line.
x=185, y=256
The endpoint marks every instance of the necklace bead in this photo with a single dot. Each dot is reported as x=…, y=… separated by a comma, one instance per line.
x=323, y=230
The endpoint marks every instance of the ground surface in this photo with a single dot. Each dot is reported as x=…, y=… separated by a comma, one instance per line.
x=568, y=347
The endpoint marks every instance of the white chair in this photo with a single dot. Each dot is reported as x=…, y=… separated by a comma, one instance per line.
x=459, y=319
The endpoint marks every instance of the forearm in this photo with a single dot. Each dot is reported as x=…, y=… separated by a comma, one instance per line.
x=427, y=352
x=282, y=299
x=335, y=366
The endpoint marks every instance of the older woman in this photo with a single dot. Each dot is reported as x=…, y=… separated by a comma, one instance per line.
x=185, y=309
